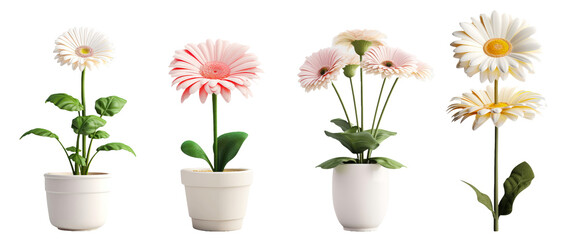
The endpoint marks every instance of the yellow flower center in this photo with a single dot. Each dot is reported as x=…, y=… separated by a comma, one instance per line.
x=497, y=47
x=498, y=105
x=84, y=51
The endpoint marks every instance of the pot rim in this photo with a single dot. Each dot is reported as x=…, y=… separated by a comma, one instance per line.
x=69, y=175
x=208, y=171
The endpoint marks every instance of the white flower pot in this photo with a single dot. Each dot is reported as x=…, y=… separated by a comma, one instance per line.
x=217, y=201
x=77, y=202
x=360, y=195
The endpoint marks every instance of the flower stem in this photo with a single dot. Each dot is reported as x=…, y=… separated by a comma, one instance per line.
x=83, y=112
x=217, y=165
x=361, y=107
x=342, y=104
x=354, y=101
x=377, y=105
x=375, y=130
x=372, y=131
x=496, y=187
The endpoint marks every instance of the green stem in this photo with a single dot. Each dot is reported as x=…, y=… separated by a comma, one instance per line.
x=83, y=112
x=354, y=101
x=217, y=164
x=342, y=104
x=66, y=154
x=361, y=106
x=382, y=113
x=377, y=105
x=77, y=166
x=373, y=132
x=89, y=163
x=496, y=187
x=88, y=154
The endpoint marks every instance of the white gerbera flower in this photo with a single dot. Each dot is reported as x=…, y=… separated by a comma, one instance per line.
x=495, y=47
x=511, y=104
x=82, y=47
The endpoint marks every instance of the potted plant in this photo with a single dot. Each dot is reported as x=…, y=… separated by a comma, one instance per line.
x=497, y=46
x=216, y=197
x=77, y=200
x=360, y=182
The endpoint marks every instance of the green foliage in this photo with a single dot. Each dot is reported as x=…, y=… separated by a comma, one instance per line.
x=519, y=180
x=228, y=147
x=72, y=149
x=109, y=106
x=65, y=102
x=332, y=163
x=99, y=135
x=41, y=132
x=77, y=158
x=483, y=199
x=357, y=142
x=194, y=150
x=87, y=124
x=115, y=146
x=343, y=124
x=381, y=134
x=387, y=162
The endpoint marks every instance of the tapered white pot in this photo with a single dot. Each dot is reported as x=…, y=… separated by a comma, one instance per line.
x=360, y=195
x=77, y=202
x=217, y=201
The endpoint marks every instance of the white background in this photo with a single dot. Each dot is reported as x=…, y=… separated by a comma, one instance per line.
x=289, y=197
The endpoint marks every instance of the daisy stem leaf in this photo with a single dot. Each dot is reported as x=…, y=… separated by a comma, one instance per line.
x=343, y=124
x=333, y=162
x=194, y=150
x=228, y=147
x=483, y=198
x=386, y=162
x=519, y=180
x=357, y=142
x=109, y=106
x=65, y=102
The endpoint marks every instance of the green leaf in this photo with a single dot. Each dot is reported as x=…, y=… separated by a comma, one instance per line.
x=387, y=162
x=482, y=198
x=194, y=150
x=65, y=102
x=355, y=142
x=352, y=129
x=520, y=179
x=73, y=149
x=228, y=147
x=115, y=146
x=78, y=159
x=332, y=163
x=41, y=132
x=109, y=106
x=87, y=124
x=343, y=124
x=99, y=135
x=382, y=134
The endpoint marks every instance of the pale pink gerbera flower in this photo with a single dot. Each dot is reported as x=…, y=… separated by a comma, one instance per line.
x=388, y=61
x=346, y=38
x=214, y=68
x=423, y=71
x=320, y=68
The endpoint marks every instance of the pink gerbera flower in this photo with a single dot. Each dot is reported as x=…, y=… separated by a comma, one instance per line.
x=423, y=71
x=320, y=68
x=214, y=68
x=388, y=61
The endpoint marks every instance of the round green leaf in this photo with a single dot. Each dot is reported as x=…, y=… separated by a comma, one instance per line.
x=65, y=102
x=332, y=163
x=357, y=142
x=228, y=147
x=109, y=106
x=387, y=162
x=99, y=134
x=87, y=124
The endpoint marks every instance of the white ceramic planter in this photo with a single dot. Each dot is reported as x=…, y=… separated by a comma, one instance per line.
x=360, y=195
x=217, y=201
x=77, y=202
